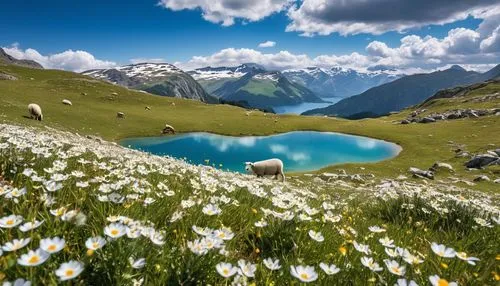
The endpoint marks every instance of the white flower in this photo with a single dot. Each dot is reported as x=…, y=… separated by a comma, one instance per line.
x=376, y=229
x=411, y=259
x=33, y=258
x=394, y=267
x=115, y=230
x=329, y=269
x=205, y=231
x=69, y=270
x=137, y=263
x=16, y=244
x=52, y=186
x=260, y=223
x=211, y=209
x=52, y=245
x=463, y=256
x=30, y=225
x=387, y=242
x=197, y=247
x=391, y=252
x=442, y=250
x=94, y=243
x=224, y=233
x=363, y=248
x=370, y=264
x=272, y=265
x=157, y=238
x=437, y=281
x=226, y=270
x=10, y=221
x=248, y=269
x=316, y=236
x=404, y=282
x=17, y=282
x=304, y=273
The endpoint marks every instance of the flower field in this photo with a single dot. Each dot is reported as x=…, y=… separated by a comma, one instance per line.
x=75, y=210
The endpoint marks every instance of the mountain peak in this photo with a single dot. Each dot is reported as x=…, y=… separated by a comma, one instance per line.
x=457, y=67
x=10, y=60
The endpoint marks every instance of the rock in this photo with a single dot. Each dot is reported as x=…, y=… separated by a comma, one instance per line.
x=401, y=178
x=120, y=115
x=357, y=178
x=95, y=138
x=168, y=129
x=173, y=104
x=405, y=121
x=439, y=165
x=147, y=108
x=318, y=180
x=414, y=113
x=480, y=161
x=4, y=76
x=114, y=93
x=455, y=115
x=497, y=181
x=482, y=178
x=427, y=120
x=421, y=173
x=66, y=102
x=439, y=117
x=462, y=155
x=497, y=152
x=84, y=93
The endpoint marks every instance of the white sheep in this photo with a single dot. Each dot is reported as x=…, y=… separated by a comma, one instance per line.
x=269, y=167
x=35, y=111
x=67, y=102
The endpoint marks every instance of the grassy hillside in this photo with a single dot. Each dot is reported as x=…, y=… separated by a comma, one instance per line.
x=95, y=113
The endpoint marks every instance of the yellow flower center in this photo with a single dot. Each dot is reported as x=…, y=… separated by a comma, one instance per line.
x=69, y=272
x=10, y=222
x=225, y=271
x=34, y=259
x=95, y=245
x=396, y=270
x=114, y=232
x=304, y=276
x=52, y=247
x=442, y=282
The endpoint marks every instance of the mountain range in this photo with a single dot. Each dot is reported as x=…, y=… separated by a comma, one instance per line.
x=157, y=78
x=10, y=60
x=402, y=93
x=338, y=81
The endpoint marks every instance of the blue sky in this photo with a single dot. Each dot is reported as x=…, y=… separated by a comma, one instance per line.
x=118, y=31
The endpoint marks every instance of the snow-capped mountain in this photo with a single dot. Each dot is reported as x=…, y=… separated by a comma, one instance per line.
x=161, y=79
x=338, y=81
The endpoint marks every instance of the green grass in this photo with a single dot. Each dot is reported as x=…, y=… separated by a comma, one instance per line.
x=95, y=113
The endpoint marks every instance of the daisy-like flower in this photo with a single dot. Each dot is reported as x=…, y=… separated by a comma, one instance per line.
x=442, y=250
x=94, y=243
x=404, y=282
x=412, y=259
x=17, y=282
x=371, y=264
x=438, y=281
x=304, y=273
x=224, y=233
x=137, y=263
x=211, y=209
x=394, y=267
x=376, y=229
x=205, y=231
x=260, y=223
x=316, y=236
x=463, y=256
x=52, y=245
x=30, y=225
x=226, y=270
x=248, y=269
x=157, y=238
x=329, y=269
x=363, y=248
x=69, y=270
x=52, y=186
x=387, y=242
x=197, y=247
x=16, y=244
x=115, y=230
x=272, y=264
x=10, y=221
x=33, y=258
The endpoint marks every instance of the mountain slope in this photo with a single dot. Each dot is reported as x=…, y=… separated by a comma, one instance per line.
x=338, y=82
x=401, y=93
x=9, y=60
x=160, y=79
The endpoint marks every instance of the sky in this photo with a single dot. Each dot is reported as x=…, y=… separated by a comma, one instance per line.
x=404, y=35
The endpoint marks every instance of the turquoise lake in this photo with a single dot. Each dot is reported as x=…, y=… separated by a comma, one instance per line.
x=299, y=151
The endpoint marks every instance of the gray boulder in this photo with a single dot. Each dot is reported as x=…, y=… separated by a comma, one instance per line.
x=438, y=165
x=421, y=173
x=483, y=160
x=482, y=178
x=427, y=120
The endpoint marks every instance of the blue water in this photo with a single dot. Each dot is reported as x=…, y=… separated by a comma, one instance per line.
x=303, y=107
x=300, y=150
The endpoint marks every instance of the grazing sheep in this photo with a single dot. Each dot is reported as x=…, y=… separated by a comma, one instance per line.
x=147, y=108
x=266, y=168
x=35, y=111
x=114, y=93
x=67, y=102
x=120, y=115
x=168, y=129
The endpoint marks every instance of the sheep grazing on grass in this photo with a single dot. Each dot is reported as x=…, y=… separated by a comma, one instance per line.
x=147, y=108
x=67, y=102
x=120, y=115
x=271, y=167
x=35, y=111
x=168, y=129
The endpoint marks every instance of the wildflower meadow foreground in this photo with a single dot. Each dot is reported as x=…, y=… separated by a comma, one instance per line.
x=75, y=210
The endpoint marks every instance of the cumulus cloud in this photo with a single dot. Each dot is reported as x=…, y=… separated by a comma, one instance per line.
x=68, y=60
x=320, y=17
x=267, y=44
x=226, y=11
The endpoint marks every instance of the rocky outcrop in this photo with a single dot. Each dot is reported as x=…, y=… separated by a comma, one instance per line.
x=10, y=60
x=448, y=115
x=421, y=173
x=4, y=76
x=483, y=160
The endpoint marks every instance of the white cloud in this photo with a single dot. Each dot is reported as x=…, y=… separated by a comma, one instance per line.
x=321, y=17
x=147, y=60
x=226, y=11
x=267, y=44
x=68, y=60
